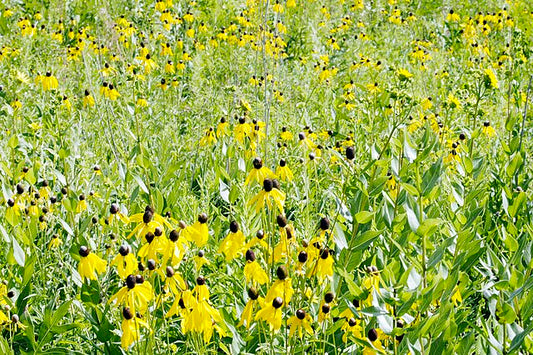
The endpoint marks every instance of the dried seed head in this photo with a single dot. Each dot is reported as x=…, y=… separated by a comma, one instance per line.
x=258, y=163
x=260, y=234
x=275, y=184
x=174, y=235
x=328, y=297
x=324, y=223
x=202, y=218
x=302, y=257
x=268, y=185
x=277, y=302
x=126, y=313
x=372, y=335
x=300, y=314
x=124, y=250
x=113, y=209
x=131, y=281
x=149, y=237
x=234, y=227
x=250, y=255
x=253, y=294
x=147, y=216
x=84, y=251
x=282, y=272
x=151, y=264
x=282, y=221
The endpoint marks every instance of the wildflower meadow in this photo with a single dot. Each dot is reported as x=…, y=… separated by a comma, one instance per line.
x=266, y=177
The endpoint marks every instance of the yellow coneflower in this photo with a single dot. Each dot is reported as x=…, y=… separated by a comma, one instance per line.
x=55, y=242
x=155, y=243
x=147, y=222
x=258, y=239
x=82, y=204
x=173, y=282
x=452, y=16
x=270, y=196
x=125, y=261
x=112, y=93
x=208, y=138
x=253, y=271
x=282, y=287
x=404, y=74
x=284, y=172
x=242, y=130
x=135, y=294
x=490, y=79
x=141, y=102
x=131, y=328
x=454, y=102
x=49, y=82
x=352, y=327
x=259, y=173
x=300, y=322
x=90, y=264
x=233, y=244
x=176, y=247
x=222, y=128
x=271, y=313
x=488, y=130
x=254, y=301
x=169, y=67
x=203, y=318
x=305, y=141
x=200, y=260
x=198, y=232
x=88, y=99
x=324, y=265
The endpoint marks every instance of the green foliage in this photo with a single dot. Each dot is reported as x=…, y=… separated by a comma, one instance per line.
x=407, y=127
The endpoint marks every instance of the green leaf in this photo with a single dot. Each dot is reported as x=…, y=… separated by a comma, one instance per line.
x=518, y=339
x=141, y=184
x=364, y=217
x=13, y=141
x=428, y=227
x=514, y=165
x=374, y=311
x=365, y=239
x=409, y=188
x=60, y=312
x=66, y=227
x=410, y=152
x=505, y=313
x=467, y=163
x=518, y=202
x=18, y=253
x=224, y=190
x=4, y=346
x=339, y=237
x=431, y=177
x=90, y=293
x=412, y=219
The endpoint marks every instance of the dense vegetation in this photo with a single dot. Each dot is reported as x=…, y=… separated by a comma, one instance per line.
x=266, y=177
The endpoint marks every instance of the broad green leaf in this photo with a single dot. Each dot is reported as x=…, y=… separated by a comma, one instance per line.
x=364, y=217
